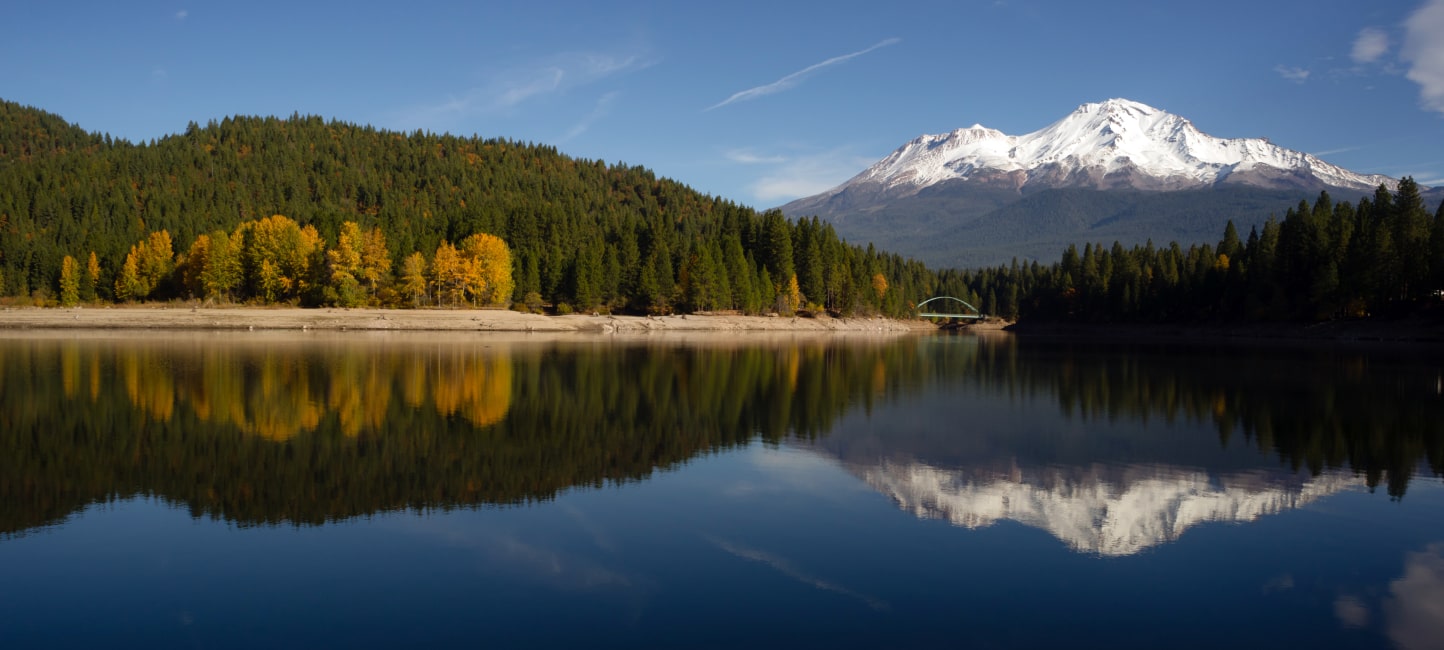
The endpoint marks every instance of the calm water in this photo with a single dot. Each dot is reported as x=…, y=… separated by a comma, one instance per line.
x=250, y=490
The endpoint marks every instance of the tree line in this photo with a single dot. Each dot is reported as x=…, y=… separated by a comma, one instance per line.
x=1324, y=260
x=300, y=210
x=258, y=434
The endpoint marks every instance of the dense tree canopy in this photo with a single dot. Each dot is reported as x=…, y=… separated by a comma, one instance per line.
x=1323, y=261
x=301, y=210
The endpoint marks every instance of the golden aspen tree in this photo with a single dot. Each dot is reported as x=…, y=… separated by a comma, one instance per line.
x=879, y=285
x=69, y=282
x=127, y=283
x=413, y=278
x=492, y=272
x=345, y=263
x=193, y=264
x=789, y=298
x=146, y=265
x=91, y=280
x=157, y=258
x=375, y=260
x=292, y=251
x=445, y=266
x=222, y=274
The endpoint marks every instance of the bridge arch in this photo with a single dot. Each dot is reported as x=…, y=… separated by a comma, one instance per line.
x=946, y=309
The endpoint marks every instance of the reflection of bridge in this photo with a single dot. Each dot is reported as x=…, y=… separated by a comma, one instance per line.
x=941, y=311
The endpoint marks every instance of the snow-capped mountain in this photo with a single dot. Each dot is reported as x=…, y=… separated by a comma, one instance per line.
x=1108, y=145
x=1097, y=514
x=1114, y=170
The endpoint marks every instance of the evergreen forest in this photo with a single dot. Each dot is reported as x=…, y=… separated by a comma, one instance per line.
x=1325, y=260
x=309, y=212
x=304, y=211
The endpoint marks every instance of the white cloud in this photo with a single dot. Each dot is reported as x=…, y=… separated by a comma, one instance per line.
x=599, y=111
x=1424, y=50
x=793, y=79
x=1330, y=152
x=748, y=157
x=799, y=176
x=1371, y=44
x=1415, y=610
x=1351, y=611
x=546, y=80
x=508, y=89
x=1296, y=75
x=181, y=15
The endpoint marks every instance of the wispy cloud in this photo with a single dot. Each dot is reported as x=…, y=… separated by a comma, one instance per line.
x=786, y=568
x=1424, y=50
x=182, y=14
x=1330, y=152
x=602, y=108
x=1296, y=75
x=506, y=90
x=1371, y=44
x=795, y=78
x=748, y=157
x=796, y=176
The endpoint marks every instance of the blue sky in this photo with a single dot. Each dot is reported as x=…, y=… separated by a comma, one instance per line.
x=757, y=102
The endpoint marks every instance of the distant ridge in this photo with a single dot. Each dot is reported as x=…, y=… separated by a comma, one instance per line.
x=1112, y=170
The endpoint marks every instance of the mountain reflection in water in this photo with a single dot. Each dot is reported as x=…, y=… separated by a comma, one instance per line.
x=1112, y=449
x=1150, y=506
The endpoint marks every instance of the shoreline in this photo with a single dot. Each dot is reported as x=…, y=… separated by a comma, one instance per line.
x=173, y=317
x=1411, y=332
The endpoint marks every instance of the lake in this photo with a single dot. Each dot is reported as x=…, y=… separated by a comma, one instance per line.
x=243, y=490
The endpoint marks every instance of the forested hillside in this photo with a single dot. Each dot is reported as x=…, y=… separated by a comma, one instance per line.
x=305, y=211
x=1322, y=261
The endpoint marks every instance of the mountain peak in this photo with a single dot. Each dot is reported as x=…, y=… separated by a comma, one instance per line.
x=1117, y=105
x=1112, y=144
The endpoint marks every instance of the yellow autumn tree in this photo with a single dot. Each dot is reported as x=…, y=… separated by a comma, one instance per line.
x=222, y=275
x=375, y=260
x=446, y=273
x=345, y=263
x=280, y=257
x=413, y=279
x=146, y=265
x=69, y=282
x=193, y=263
x=789, y=297
x=490, y=279
x=91, y=280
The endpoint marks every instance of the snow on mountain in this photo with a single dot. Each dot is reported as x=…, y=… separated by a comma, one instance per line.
x=1093, y=514
x=1113, y=144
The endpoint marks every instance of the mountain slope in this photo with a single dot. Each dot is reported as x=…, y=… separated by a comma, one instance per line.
x=1110, y=170
x=582, y=234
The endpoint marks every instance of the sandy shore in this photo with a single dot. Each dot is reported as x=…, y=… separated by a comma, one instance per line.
x=421, y=320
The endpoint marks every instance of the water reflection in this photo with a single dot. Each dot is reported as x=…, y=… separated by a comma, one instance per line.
x=272, y=429
x=1414, y=610
x=1112, y=449
x=1141, y=507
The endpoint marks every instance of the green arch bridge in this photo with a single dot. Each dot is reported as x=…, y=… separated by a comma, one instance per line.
x=958, y=308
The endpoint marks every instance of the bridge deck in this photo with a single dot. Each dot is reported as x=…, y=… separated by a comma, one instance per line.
x=963, y=316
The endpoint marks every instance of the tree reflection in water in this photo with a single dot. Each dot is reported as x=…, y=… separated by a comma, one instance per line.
x=309, y=429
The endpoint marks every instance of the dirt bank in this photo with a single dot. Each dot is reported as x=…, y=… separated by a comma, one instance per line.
x=421, y=320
